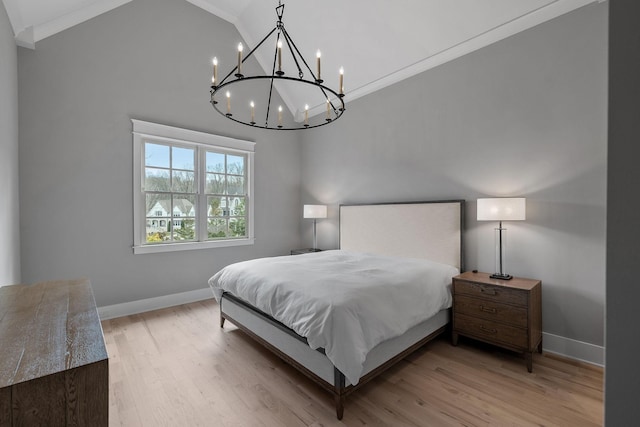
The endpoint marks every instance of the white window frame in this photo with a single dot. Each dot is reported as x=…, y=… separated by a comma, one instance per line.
x=150, y=132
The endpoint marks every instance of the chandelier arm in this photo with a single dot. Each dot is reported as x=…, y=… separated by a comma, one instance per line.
x=248, y=55
x=299, y=54
x=273, y=70
x=324, y=93
x=260, y=44
x=290, y=42
x=266, y=119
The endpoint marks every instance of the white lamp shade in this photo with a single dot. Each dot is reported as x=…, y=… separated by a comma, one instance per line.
x=315, y=211
x=502, y=209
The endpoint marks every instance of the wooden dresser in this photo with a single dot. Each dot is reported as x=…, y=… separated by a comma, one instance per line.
x=53, y=361
x=506, y=313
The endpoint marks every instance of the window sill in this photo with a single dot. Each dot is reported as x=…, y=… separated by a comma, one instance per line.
x=189, y=246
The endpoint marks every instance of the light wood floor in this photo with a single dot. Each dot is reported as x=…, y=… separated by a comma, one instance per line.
x=176, y=367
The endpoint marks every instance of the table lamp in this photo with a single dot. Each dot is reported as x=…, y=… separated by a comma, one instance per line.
x=314, y=212
x=501, y=209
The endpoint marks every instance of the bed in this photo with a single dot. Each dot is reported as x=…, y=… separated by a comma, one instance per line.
x=412, y=241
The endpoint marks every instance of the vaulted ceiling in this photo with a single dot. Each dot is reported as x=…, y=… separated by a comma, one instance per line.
x=378, y=42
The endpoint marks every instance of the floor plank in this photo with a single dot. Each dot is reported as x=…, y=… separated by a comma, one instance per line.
x=177, y=367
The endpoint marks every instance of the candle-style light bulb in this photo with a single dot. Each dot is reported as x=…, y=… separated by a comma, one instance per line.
x=280, y=56
x=328, y=110
x=214, y=79
x=306, y=114
x=239, y=59
x=280, y=116
x=253, y=112
x=318, y=54
x=228, y=103
x=341, y=87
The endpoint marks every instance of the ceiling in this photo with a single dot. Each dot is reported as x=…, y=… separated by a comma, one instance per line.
x=378, y=42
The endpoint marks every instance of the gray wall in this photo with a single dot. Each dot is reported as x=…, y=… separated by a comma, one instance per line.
x=622, y=385
x=150, y=60
x=523, y=117
x=9, y=202
x=526, y=116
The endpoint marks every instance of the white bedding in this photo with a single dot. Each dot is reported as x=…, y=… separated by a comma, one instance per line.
x=345, y=302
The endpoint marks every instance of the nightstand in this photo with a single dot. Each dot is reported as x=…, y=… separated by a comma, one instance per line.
x=304, y=251
x=506, y=313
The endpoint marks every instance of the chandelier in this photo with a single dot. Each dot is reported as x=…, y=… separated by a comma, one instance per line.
x=248, y=99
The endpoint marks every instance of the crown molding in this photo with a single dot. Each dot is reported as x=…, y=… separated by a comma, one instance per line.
x=29, y=36
x=517, y=25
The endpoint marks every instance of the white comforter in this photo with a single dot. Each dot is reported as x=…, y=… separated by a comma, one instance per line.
x=344, y=302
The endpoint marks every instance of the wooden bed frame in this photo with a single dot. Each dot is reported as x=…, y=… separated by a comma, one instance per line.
x=431, y=230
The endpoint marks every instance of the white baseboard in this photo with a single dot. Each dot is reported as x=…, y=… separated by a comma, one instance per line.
x=563, y=346
x=573, y=349
x=140, y=306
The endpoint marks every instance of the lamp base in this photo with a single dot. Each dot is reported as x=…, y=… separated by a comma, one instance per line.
x=501, y=276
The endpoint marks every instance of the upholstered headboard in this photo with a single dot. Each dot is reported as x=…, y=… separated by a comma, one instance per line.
x=431, y=230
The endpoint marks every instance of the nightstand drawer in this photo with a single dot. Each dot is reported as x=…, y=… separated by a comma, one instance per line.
x=497, y=293
x=490, y=331
x=491, y=310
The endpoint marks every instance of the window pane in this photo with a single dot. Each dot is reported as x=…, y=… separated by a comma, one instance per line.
x=215, y=162
x=156, y=155
x=235, y=184
x=157, y=218
x=183, y=158
x=183, y=182
x=158, y=205
x=184, y=206
x=217, y=206
x=184, y=210
x=235, y=165
x=237, y=227
x=156, y=180
x=184, y=229
x=215, y=183
x=237, y=206
x=216, y=228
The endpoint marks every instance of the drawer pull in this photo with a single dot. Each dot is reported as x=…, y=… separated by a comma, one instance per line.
x=488, y=291
x=488, y=309
x=490, y=330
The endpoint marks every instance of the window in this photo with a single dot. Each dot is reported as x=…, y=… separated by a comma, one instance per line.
x=191, y=189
